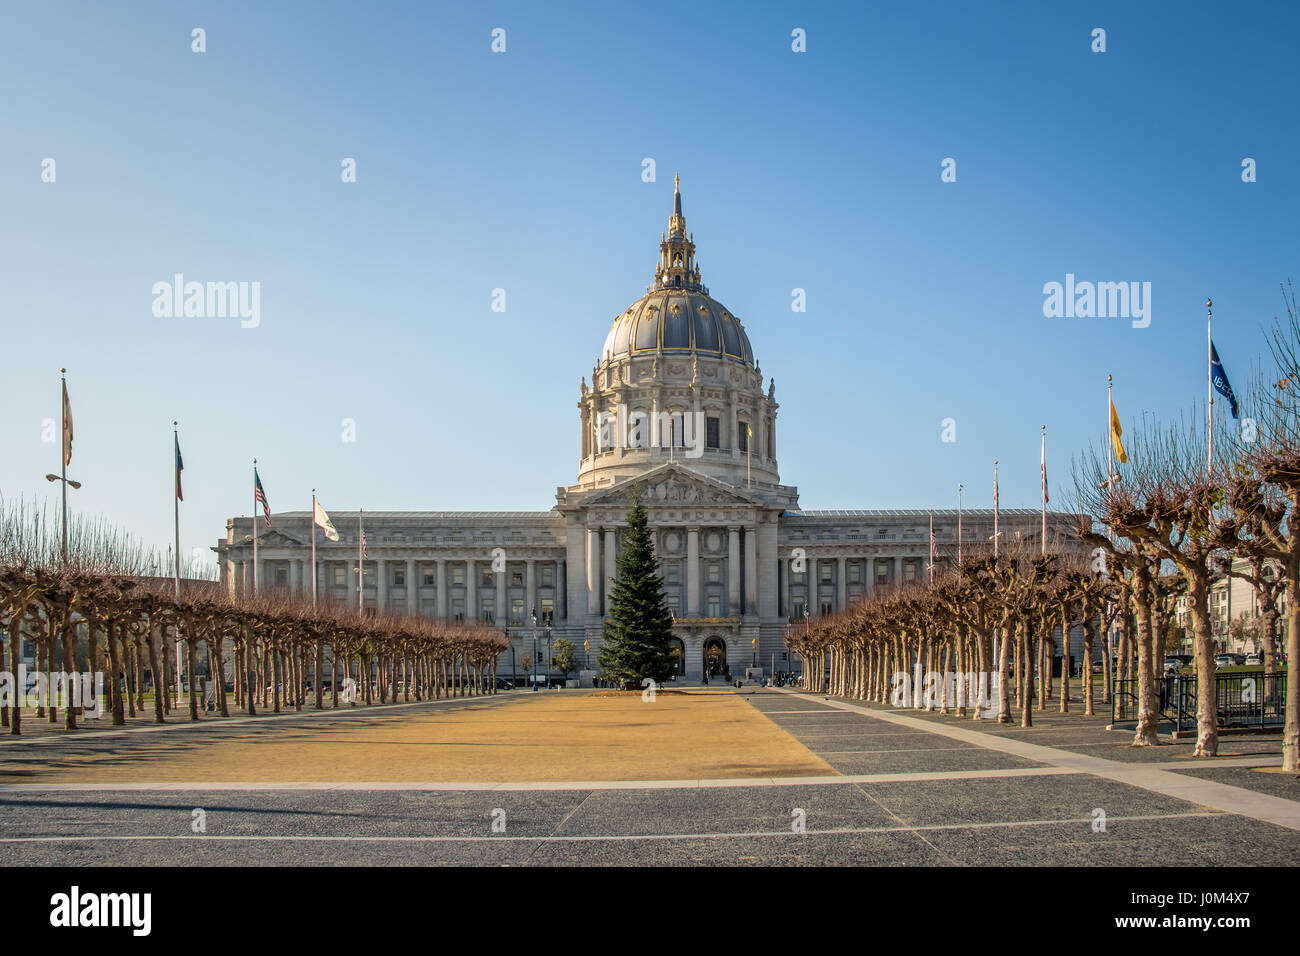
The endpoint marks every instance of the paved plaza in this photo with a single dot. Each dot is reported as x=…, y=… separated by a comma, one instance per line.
x=705, y=777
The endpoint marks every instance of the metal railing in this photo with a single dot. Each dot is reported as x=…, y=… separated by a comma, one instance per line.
x=1251, y=700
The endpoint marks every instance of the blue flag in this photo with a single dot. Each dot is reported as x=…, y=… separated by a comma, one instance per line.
x=1220, y=380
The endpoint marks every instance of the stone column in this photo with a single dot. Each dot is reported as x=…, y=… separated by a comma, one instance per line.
x=471, y=590
x=733, y=571
x=610, y=552
x=381, y=584
x=841, y=585
x=440, y=581
x=593, y=572
x=530, y=586
x=501, y=584
x=412, y=587
x=768, y=605
x=751, y=571
x=693, y=572
x=238, y=582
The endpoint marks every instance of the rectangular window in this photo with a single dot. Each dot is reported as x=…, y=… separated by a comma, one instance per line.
x=399, y=577
x=827, y=568
x=799, y=605
x=715, y=572
x=742, y=436
x=548, y=610
x=282, y=577
x=485, y=576
x=340, y=576
x=711, y=430
x=428, y=607
x=430, y=576
x=909, y=571
x=517, y=611
x=673, y=573
x=458, y=574
x=547, y=575
x=715, y=606
x=516, y=579
x=797, y=577
x=458, y=608
x=855, y=573
x=827, y=607
x=487, y=608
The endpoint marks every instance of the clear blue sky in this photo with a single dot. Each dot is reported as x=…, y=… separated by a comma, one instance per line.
x=522, y=171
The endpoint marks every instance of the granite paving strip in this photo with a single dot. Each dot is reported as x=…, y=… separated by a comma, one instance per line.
x=537, y=785
x=1208, y=793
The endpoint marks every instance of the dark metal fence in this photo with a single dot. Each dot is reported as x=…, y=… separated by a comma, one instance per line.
x=1250, y=700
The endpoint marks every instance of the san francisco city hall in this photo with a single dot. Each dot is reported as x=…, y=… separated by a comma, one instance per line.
x=677, y=409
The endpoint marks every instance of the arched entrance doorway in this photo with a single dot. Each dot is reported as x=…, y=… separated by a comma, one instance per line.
x=715, y=657
x=679, y=657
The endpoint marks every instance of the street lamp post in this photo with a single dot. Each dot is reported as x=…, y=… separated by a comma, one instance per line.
x=66, y=482
x=534, y=619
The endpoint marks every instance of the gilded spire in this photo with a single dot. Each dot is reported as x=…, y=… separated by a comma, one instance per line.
x=677, y=268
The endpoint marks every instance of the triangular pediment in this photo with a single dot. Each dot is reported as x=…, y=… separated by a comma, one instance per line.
x=672, y=484
x=275, y=538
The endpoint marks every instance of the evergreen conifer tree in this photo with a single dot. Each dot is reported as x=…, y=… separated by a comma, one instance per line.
x=637, y=640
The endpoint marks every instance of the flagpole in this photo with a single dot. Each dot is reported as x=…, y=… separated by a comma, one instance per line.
x=1110, y=430
x=254, y=527
x=1044, y=489
x=995, y=508
x=1209, y=389
x=932, y=547
x=312, y=521
x=176, y=567
x=958, y=526
x=63, y=457
x=361, y=555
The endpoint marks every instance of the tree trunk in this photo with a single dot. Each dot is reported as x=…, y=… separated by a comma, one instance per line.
x=191, y=658
x=1027, y=655
x=1146, y=734
x=1207, y=705
x=119, y=677
x=1089, y=635
x=1291, y=729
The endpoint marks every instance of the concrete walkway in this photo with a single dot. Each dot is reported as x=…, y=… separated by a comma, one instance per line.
x=1207, y=793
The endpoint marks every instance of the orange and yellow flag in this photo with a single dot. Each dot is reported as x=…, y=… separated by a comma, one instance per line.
x=1115, y=432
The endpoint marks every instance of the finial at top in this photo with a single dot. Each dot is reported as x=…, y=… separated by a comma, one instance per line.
x=677, y=183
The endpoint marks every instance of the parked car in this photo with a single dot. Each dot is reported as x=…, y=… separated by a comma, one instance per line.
x=503, y=684
x=1223, y=660
x=1172, y=666
x=1254, y=659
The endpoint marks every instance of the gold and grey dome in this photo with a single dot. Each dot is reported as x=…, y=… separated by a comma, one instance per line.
x=677, y=315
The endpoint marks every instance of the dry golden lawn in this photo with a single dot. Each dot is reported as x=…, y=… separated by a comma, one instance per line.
x=548, y=737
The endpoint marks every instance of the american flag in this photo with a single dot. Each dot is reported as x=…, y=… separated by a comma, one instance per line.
x=260, y=496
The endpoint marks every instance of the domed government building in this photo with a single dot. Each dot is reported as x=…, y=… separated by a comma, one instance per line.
x=676, y=411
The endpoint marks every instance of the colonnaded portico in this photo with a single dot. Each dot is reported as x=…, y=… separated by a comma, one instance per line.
x=677, y=414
